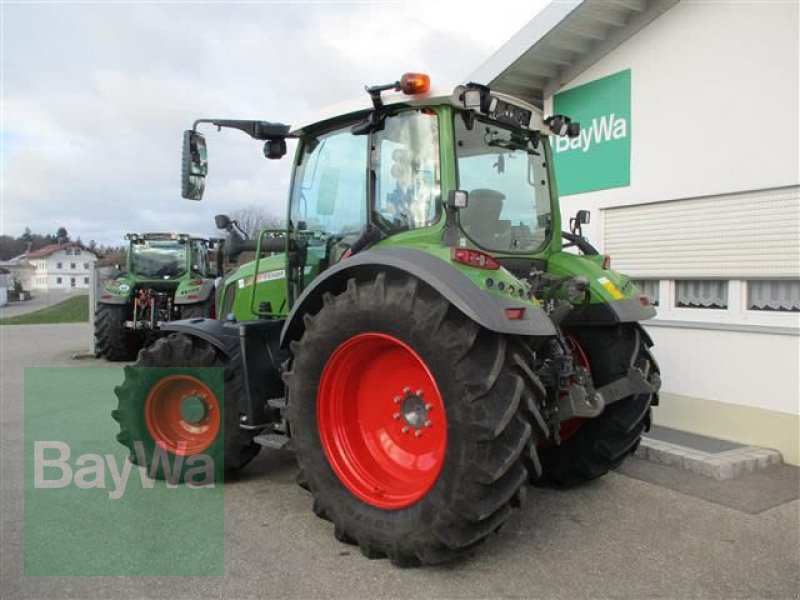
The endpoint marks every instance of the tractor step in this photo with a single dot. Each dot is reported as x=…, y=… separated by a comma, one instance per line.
x=276, y=441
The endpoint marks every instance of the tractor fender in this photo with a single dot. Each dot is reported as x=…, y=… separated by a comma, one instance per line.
x=486, y=310
x=222, y=335
x=206, y=289
x=630, y=310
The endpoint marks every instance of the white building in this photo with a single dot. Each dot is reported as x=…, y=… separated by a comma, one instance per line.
x=688, y=160
x=61, y=266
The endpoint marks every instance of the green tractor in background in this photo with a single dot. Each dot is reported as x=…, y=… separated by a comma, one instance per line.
x=419, y=334
x=166, y=277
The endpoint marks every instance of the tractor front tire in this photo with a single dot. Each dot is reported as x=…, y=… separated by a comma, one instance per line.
x=591, y=448
x=112, y=341
x=411, y=423
x=149, y=409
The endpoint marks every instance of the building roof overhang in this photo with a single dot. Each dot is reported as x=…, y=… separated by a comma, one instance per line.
x=561, y=42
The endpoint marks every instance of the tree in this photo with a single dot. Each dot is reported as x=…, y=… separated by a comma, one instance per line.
x=253, y=219
x=62, y=235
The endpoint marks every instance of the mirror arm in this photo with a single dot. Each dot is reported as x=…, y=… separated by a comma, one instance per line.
x=258, y=130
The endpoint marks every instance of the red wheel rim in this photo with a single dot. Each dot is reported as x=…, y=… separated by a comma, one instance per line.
x=182, y=415
x=381, y=420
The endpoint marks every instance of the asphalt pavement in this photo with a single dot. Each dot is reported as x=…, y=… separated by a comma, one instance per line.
x=617, y=537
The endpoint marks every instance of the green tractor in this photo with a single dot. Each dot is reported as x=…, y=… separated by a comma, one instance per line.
x=166, y=277
x=421, y=335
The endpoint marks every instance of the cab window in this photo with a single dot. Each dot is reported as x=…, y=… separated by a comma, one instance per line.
x=404, y=163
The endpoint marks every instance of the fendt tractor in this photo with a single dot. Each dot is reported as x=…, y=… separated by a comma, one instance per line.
x=166, y=277
x=422, y=334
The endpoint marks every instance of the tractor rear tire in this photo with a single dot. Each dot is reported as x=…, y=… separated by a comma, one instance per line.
x=593, y=447
x=230, y=451
x=427, y=485
x=112, y=341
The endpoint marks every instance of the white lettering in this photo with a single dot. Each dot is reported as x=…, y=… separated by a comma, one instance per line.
x=206, y=470
x=620, y=129
x=602, y=129
x=95, y=470
x=39, y=465
x=120, y=479
x=172, y=473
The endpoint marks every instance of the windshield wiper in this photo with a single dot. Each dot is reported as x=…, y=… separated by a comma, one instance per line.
x=513, y=143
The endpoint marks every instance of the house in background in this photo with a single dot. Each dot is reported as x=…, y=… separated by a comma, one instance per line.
x=60, y=266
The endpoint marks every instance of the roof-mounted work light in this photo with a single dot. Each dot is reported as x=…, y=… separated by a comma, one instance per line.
x=562, y=125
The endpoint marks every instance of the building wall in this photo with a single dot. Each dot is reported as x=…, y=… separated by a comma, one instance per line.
x=714, y=115
x=57, y=272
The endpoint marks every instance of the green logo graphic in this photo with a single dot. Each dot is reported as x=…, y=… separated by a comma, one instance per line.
x=88, y=509
x=601, y=157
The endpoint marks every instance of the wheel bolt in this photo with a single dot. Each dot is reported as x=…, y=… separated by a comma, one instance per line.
x=428, y=406
x=404, y=430
x=419, y=393
x=396, y=416
x=397, y=399
x=418, y=432
x=406, y=390
x=428, y=423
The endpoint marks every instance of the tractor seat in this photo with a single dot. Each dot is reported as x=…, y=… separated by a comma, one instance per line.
x=481, y=218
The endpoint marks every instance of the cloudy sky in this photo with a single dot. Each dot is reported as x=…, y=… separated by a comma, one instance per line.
x=95, y=96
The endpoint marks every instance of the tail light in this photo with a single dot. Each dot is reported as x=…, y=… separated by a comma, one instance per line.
x=474, y=258
x=606, y=262
x=515, y=314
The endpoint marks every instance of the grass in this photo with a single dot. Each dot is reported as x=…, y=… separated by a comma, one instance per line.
x=72, y=310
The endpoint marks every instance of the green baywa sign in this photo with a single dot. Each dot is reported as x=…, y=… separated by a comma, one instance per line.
x=600, y=158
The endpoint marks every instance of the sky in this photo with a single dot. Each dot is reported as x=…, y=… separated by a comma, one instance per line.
x=95, y=96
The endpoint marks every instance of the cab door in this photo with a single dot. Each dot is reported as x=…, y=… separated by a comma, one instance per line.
x=328, y=205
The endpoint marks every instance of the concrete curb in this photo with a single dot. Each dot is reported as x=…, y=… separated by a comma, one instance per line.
x=720, y=466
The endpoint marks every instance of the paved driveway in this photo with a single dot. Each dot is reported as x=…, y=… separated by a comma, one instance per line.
x=618, y=537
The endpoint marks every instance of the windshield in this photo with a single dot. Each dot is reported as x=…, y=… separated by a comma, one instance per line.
x=158, y=259
x=509, y=198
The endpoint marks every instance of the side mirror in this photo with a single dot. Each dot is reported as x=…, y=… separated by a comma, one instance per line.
x=582, y=217
x=222, y=221
x=194, y=166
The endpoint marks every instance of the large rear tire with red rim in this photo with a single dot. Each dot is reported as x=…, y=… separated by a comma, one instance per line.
x=411, y=424
x=176, y=409
x=591, y=448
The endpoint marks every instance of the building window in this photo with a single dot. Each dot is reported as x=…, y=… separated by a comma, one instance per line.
x=58, y=280
x=72, y=266
x=701, y=293
x=649, y=288
x=72, y=282
x=773, y=294
x=58, y=265
x=68, y=251
x=86, y=280
x=86, y=266
x=77, y=252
